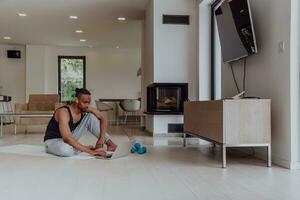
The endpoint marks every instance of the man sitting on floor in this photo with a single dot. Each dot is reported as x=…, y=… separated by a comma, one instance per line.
x=70, y=122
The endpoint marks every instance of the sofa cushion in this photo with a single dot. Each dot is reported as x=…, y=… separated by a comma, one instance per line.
x=42, y=102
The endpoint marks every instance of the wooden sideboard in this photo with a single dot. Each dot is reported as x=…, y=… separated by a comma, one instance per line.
x=230, y=123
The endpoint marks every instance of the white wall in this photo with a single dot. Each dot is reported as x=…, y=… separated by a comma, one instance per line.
x=12, y=73
x=175, y=45
x=148, y=65
x=204, y=49
x=174, y=53
x=295, y=84
x=274, y=74
x=35, y=70
x=110, y=72
x=268, y=72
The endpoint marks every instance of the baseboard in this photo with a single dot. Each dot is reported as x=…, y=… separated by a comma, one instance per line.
x=280, y=162
x=275, y=159
x=295, y=165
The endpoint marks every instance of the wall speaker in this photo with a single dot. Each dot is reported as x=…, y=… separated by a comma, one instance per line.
x=176, y=19
x=13, y=54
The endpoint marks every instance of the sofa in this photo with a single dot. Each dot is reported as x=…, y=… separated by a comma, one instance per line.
x=37, y=103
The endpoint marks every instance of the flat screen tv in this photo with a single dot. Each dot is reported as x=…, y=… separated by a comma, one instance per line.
x=235, y=29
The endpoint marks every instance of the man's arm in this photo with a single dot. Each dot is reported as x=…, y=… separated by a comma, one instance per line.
x=63, y=120
x=103, y=125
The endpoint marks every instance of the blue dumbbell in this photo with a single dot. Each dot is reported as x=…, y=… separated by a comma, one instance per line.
x=137, y=146
x=133, y=149
x=142, y=150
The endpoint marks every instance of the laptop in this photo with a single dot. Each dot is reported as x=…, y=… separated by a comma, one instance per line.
x=122, y=150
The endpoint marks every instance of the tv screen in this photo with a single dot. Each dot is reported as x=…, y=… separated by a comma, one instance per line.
x=235, y=29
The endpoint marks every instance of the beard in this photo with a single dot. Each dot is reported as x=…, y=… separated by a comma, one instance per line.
x=82, y=109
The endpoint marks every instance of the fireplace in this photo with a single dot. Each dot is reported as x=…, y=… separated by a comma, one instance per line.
x=166, y=98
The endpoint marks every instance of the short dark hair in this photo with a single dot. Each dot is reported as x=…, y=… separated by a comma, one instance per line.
x=80, y=91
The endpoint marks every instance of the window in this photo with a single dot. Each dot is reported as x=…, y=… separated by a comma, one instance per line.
x=71, y=75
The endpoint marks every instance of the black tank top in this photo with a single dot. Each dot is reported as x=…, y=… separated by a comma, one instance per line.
x=52, y=130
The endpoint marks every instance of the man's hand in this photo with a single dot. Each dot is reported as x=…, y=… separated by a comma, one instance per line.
x=100, y=143
x=91, y=147
x=97, y=153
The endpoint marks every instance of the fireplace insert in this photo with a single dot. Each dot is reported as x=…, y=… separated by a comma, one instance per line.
x=166, y=98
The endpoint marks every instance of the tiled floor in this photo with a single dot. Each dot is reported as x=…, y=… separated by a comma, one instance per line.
x=167, y=171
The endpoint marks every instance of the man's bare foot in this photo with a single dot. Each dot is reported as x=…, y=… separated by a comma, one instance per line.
x=111, y=146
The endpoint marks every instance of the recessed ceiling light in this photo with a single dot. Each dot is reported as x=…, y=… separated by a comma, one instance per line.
x=7, y=38
x=117, y=47
x=73, y=17
x=22, y=14
x=121, y=18
x=82, y=40
x=79, y=31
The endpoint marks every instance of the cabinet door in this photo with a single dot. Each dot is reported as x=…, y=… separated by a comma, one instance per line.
x=205, y=119
x=247, y=122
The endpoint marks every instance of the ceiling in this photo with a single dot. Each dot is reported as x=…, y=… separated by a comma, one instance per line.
x=47, y=22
